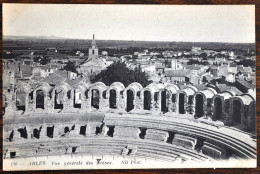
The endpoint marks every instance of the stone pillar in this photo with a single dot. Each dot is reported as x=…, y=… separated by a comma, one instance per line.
x=152, y=105
x=66, y=105
x=103, y=103
x=88, y=103
x=17, y=136
x=43, y=133
x=121, y=105
x=158, y=104
x=30, y=132
x=192, y=105
x=230, y=115
x=225, y=109
x=83, y=101
x=245, y=115
x=58, y=131
x=75, y=132
x=139, y=103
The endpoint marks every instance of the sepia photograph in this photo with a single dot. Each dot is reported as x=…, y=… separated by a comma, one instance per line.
x=128, y=86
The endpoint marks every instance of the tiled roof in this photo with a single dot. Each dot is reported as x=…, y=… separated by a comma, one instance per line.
x=245, y=83
x=177, y=73
x=224, y=87
x=159, y=66
x=114, y=59
x=200, y=87
x=93, y=62
x=37, y=78
x=54, y=79
x=26, y=70
x=194, y=67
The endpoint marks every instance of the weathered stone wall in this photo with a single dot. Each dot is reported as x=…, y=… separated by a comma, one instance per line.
x=85, y=105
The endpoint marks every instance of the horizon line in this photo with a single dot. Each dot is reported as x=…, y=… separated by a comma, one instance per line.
x=59, y=37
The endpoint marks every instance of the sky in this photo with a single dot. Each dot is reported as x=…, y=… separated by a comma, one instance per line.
x=187, y=23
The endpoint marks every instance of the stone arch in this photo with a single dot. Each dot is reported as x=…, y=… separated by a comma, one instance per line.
x=237, y=110
x=240, y=111
x=115, y=94
x=113, y=98
x=95, y=94
x=147, y=100
x=218, y=108
x=181, y=99
x=95, y=98
x=41, y=93
x=165, y=97
x=130, y=95
x=59, y=94
x=40, y=99
x=191, y=87
x=199, y=105
x=252, y=116
x=203, y=103
x=22, y=94
x=221, y=105
x=79, y=94
x=185, y=100
x=150, y=96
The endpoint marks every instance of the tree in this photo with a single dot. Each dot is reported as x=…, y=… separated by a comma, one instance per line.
x=246, y=63
x=118, y=72
x=204, y=56
x=37, y=59
x=71, y=67
x=45, y=60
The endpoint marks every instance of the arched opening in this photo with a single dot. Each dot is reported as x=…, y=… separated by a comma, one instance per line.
x=95, y=98
x=147, y=100
x=20, y=100
x=58, y=99
x=23, y=132
x=77, y=99
x=66, y=129
x=129, y=100
x=40, y=99
x=164, y=106
x=252, y=125
x=36, y=133
x=181, y=103
x=112, y=99
x=50, y=131
x=218, y=108
x=82, y=130
x=237, y=111
x=199, y=112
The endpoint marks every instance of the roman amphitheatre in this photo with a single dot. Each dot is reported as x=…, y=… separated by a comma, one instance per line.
x=164, y=122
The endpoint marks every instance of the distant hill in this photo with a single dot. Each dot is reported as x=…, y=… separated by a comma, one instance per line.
x=11, y=37
x=42, y=42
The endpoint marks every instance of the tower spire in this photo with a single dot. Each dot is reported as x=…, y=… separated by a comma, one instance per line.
x=93, y=37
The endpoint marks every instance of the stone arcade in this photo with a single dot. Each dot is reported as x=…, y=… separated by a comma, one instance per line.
x=147, y=120
x=156, y=97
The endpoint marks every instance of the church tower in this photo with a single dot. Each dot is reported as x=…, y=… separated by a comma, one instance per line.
x=93, y=50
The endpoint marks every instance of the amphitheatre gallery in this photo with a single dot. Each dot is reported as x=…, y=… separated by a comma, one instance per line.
x=177, y=105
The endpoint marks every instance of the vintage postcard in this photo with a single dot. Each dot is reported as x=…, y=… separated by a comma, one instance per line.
x=128, y=86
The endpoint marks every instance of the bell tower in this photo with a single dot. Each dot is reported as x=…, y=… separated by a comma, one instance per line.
x=93, y=50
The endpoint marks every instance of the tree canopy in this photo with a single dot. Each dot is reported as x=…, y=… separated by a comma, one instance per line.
x=247, y=62
x=118, y=72
x=71, y=67
x=192, y=62
x=45, y=60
